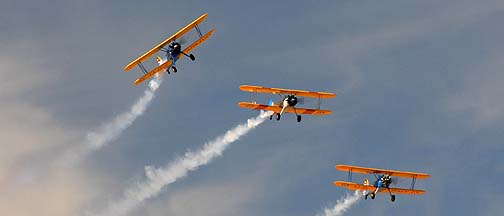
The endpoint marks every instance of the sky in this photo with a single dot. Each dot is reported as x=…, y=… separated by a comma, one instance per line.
x=419, y=87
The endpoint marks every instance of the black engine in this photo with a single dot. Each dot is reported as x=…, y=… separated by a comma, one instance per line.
x=175, y=47
x=292, y=100
x=387, y=180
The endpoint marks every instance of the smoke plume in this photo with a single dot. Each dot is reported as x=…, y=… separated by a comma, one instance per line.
x=191, y=161
x=110, y=131
x=342, y=205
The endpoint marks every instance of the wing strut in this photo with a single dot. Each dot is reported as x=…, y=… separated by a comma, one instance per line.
x=319, y=102
x=142, y=67
x=254, y=95
x=413, y=180
x=198, y=30
x=350, y=174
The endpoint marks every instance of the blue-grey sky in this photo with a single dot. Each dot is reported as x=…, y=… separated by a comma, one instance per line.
x=419, y=87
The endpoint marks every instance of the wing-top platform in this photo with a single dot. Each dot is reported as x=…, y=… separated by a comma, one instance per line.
x=355, y=186
x=165, y=42
x=300, y=93
x=278, y=109
x=365, y=170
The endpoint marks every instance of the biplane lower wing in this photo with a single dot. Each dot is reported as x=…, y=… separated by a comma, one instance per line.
x=168, y=63
x=355, y=186
x=277, y=109
x=300, y=93
x=365, y=170
x=166, y=42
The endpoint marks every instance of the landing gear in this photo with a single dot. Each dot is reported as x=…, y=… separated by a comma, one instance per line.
x=365, y=197
x=372, y=195
x=278, y=116
x=191, y=56
x=392, y=198
x=298, y=118
x=271, y=117
x=174, y=69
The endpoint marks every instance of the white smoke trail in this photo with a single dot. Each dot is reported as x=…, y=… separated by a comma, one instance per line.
x=158, y=178
x=110, y=131
x=342, y=205
x=113, y=129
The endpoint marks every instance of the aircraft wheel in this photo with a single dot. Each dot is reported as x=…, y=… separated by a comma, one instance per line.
x=372, y=195
x=271, y=117
x=192, y=57
x=299, y=118
x=392, y=198
x=365, y=197
x=174, y=69
x=278, y=116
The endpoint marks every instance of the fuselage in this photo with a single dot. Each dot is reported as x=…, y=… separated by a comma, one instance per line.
x=288, y=101
x=383, y=182
x=175, y=49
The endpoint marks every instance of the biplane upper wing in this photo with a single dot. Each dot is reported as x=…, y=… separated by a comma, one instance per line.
x=165, y=42
x=278, y=109
x=355, y=186
x=301, y=93
x=365, y=170
x=168, y=63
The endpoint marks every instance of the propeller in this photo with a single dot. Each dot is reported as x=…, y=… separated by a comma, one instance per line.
x=395, y=180
x=182, y=40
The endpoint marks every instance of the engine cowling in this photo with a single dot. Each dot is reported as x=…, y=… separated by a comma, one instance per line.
x=292, y=100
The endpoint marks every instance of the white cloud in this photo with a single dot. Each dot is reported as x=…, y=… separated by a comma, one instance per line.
x=233, y=197
x=479, y=102
x=31, y=136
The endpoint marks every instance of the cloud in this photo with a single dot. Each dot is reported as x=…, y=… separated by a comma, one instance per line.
x=58, y=193
x=30, y=134
x=479, y=100
x=383, y=35
x=231, y=197
x=26, y=128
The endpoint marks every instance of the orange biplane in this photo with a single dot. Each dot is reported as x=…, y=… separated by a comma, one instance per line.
x=173, y=52
x=382, y=182
x=288, y=102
